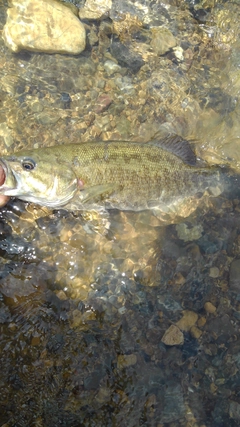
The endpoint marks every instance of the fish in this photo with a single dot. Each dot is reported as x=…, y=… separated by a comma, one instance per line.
x=160, y=175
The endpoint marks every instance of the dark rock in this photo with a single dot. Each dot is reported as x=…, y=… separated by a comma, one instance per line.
x=221, y=328
x=55, y=343
x=126, y=57
x=234, y=410
x=174, y=407
x=65, y=100
x=219, y=101
x=92, y=381
x=234, y=275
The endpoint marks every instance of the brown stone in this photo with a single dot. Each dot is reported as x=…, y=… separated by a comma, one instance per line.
x=173, y=336
x=43, y=26
x=188, y=320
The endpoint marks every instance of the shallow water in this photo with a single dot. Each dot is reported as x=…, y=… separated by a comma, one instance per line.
x=85, y=301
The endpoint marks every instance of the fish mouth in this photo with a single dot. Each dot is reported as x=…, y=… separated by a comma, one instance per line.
x=2, y=175
x=8, y=181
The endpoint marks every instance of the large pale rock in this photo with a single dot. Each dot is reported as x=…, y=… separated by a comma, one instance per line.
x=95, y=9
x=43, y=26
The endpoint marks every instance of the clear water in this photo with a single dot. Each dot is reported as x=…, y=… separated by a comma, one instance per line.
x=83, y=309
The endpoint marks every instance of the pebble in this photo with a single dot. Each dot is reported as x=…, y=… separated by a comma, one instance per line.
x=162, y=40
x=187, y=321
x=42, y=27
x=201, y=321
x=173, y=336
x=126, y=360
x=179, y=279
x=111, y=67
x=102, y=103
x=214, y=272
x=195, y=332
x=209, y=307
x=61, y=295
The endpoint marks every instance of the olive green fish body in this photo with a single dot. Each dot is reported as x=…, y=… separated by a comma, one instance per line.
x=121, y=175
x=142, y=174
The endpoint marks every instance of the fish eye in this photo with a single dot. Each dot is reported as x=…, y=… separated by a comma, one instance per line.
x=28, y=164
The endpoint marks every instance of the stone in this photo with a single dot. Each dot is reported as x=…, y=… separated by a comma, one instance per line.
x=209, y=307
x=43, y=26
x=201, y=321
x=111, y=67
x=125, y=360
x=234, y=410
x=162, y=40
x=221, y=327
x=102, y=103
x=95, y=9
x=187, y=321
x=126, y=56
x=188, y=234
x=173, y=336
x=173, y=404
x=195, y=332
x=234, y=275
x=214, y=272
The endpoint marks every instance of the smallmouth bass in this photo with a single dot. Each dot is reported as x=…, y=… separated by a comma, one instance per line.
x=158, y=175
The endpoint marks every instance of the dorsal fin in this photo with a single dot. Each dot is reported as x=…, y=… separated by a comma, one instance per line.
x=175, y=144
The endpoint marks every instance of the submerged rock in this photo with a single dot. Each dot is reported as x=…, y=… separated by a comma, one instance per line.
x=126, y=56
x=234, y=275
x=173, y=336
x=43, y=26
x=95, y=9
x=162, y=40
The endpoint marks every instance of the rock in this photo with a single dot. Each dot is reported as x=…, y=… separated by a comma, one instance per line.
x=187, y=234
x=126, y=56
x=221, y=328
x=214, y=272
x=234, y=410
x=187, y=321
x=5, y=133
x=102, y=103
x=95, y=9
x=209, y=307
x=173, y=405
x=111, y=67
x=201, y=321
x=179, y=279
x=234, y=275
x=47, y=117
x=125, y=360
x=43, y=26
x=162, y=40
x=195, y=332
x=173, y=336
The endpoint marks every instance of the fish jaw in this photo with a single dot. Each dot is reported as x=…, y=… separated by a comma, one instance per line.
x=8, y=181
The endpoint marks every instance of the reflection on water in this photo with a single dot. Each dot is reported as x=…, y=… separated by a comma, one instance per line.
x=87, y=305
